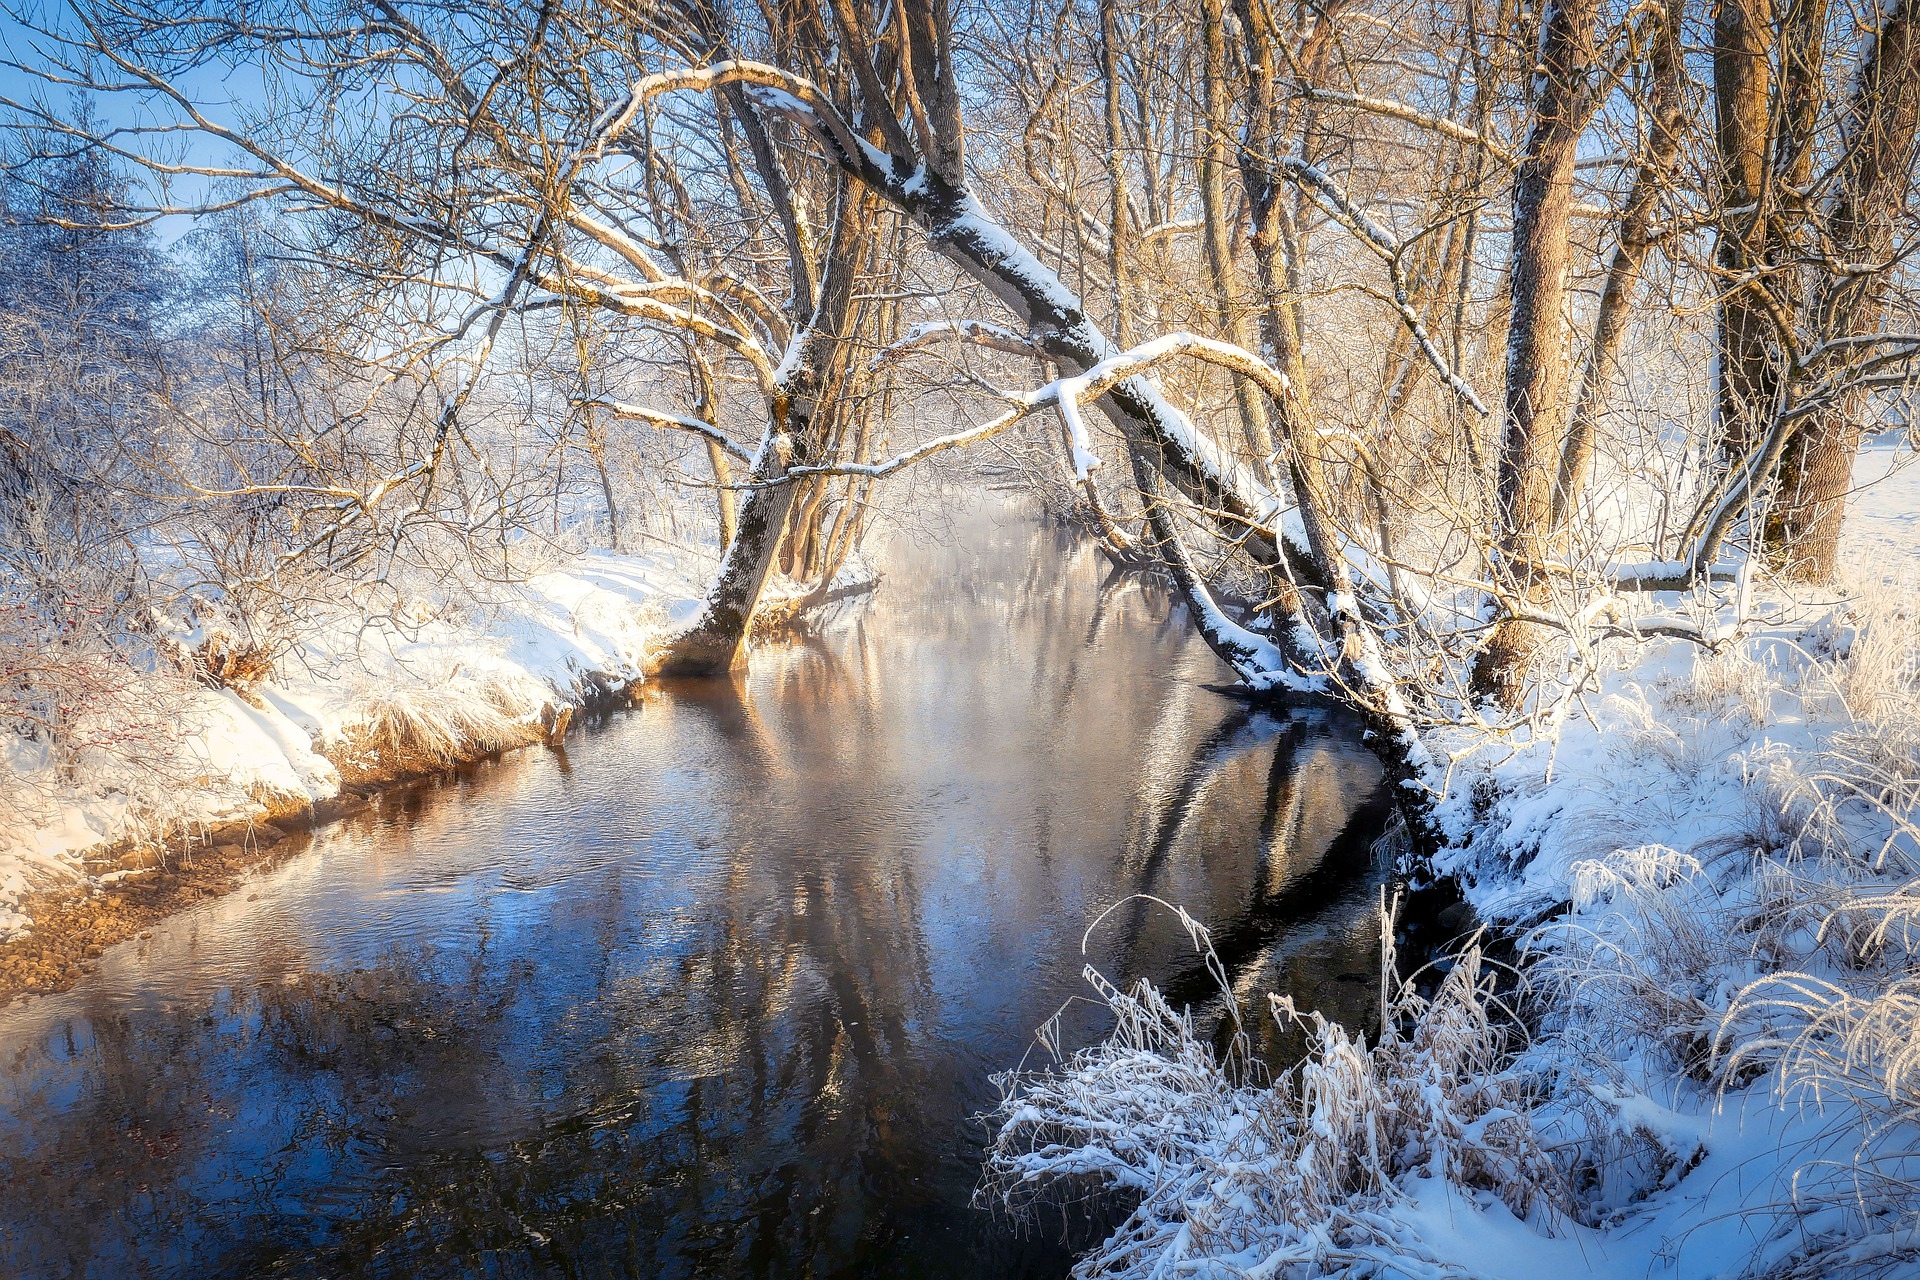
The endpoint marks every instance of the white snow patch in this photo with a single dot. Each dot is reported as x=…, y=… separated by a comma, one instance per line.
x=597, y=616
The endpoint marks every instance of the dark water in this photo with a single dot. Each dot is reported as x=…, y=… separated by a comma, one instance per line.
x=717, y=991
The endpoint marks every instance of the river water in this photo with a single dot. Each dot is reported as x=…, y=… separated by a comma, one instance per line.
x=717, y=990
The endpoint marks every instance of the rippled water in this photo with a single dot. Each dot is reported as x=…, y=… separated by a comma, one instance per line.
x=717, y=990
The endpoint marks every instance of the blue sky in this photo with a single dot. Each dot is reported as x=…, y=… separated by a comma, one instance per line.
x=217, y=90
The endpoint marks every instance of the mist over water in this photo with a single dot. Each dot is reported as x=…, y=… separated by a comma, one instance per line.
x=717, y=990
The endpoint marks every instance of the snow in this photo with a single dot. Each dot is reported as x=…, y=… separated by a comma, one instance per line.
x=594, y=618
x=1069, y=391
x=1627, y=817
x=1712, y=1225
x=796, y=351
x=1883, y=518
x=1715, y=865
x=1486, y=1240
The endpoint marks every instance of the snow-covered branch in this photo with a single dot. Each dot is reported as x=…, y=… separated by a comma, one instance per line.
x=670, y=421
x=933, y=333
x=1071, y=393
x=1410, y=115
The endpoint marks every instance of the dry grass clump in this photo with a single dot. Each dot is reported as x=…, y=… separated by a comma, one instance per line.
x=1637, y=962
x=457, y=717
x=226, y=661
x=1722, y=684
x=1294, y=1179
x=1784, y=944
x=220, y=646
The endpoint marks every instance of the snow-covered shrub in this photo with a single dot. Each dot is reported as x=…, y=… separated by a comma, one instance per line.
x=1838, y=1017
x=88, y=738
x=212, y=647
x=1641, y=961
x=1295, y=1178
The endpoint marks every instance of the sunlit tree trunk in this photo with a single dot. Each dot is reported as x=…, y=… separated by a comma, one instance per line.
x=794, y=436
x=707, y=407
x=1875, y=180
x=1215, y=157
x=1742, y=84
x=1665, y=85
x=1537, y=376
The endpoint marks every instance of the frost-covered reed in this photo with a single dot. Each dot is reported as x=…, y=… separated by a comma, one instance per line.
x=1294, y=1178
x=1761, y=941
x=1712, y=1066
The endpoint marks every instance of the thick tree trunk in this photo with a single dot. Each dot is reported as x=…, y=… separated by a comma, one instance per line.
x=1874, y=183
x=718, y=641
x=1214, y=159
x=1815, y=477
x=1537, y=376
x=1742, y=90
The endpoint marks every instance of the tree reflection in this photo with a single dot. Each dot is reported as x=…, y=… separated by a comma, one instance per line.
x=722, y=996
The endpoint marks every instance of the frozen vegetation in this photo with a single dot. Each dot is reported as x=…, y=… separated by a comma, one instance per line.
x=1707, y=1062
x=1502, y=375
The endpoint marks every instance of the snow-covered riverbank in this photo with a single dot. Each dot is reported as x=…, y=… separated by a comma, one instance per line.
x=349, y=706
x=1714, y=878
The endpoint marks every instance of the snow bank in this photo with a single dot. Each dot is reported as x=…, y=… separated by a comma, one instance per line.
x=1716, y=879
x=475, y=675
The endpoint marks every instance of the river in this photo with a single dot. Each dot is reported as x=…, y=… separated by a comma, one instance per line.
x=717, y=990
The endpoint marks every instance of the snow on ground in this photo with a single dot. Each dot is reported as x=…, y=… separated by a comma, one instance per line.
x=1722, y=832
x=1717, y=882
x=227, y=758
x=1882, y=541
x=1671, y=714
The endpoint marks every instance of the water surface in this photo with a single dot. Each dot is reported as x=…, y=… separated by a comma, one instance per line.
x=717, y=990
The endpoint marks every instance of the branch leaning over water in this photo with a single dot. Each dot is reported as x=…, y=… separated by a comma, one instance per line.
x=1070, y=393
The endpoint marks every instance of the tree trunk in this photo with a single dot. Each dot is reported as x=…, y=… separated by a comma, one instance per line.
x=707, y=407
x=1536, y=401
x=1870, y=196
x=1742, y=90
x=723, y=493
x=1664, y=107
x=718, y=641
x=1214, y=159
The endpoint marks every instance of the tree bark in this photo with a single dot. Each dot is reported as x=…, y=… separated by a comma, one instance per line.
x=1664, y=122
x=707, y=406
x=1874, y=182
x=1742, y=91
x=1119, y=205
x=718, y=641
x=1537, y=375
x=1214, y=159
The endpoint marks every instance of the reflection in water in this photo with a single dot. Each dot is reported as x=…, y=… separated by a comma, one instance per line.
x=717, y=991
